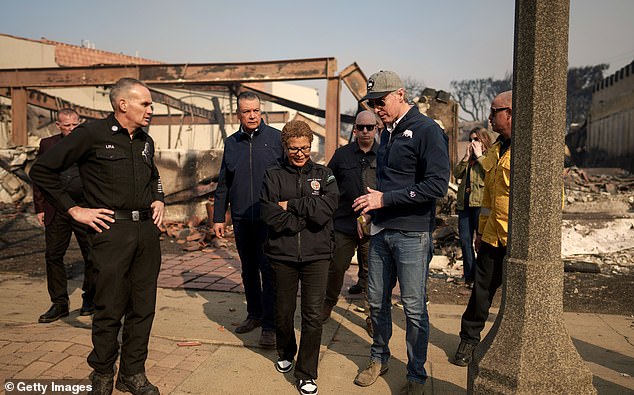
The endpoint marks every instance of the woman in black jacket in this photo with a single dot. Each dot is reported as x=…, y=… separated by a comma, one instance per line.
x=298, y=200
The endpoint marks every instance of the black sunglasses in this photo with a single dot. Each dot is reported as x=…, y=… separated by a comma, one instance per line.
x=369, y=128
x=474, y=139
x=497, y=110
x=376, y=102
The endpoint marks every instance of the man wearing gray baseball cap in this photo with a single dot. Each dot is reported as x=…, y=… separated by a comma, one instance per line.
x=412, y=172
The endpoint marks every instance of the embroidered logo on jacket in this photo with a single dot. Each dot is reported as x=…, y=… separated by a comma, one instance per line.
x=315, y=185
x=407, y=133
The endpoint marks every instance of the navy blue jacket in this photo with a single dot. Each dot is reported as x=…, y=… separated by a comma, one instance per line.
x=246, y=158
x=412, y=172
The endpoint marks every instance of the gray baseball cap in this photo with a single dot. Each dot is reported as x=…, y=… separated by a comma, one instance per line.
x=382, y=83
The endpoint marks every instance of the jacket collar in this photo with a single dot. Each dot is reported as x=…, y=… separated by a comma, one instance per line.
x=244, y=135
x=375, y=147
x=406, y=121
x=115, y=127
x=292, y=169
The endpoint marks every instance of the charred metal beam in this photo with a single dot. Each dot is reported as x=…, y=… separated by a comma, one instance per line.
x=333, y=117
x=160, y=74
x=19, y=134
x=316, y=127
x=157, y=120
x=219, y=117
x=345, y=118
x=356, y=82
x=44, y=100
x=180, y=105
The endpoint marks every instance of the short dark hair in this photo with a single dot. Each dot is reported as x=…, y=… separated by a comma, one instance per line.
x=295, y=129
x=67, y=111
x=246, y=95
x=122, y=86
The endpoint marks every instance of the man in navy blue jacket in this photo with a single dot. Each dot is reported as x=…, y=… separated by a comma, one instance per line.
x=248, y=153
x=412, y=172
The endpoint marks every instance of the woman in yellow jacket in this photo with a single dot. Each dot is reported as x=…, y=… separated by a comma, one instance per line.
x=471, y=175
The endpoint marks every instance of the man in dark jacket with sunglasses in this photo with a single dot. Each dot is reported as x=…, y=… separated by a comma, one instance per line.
x=354, y=167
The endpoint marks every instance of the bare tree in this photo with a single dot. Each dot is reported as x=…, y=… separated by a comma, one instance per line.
x=580, y=83
x=475, y=96
x=413, y=87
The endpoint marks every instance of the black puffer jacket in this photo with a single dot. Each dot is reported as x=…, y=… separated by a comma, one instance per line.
x=304, y=231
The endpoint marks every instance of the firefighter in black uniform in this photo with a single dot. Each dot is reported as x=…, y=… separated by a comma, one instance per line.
x=124, y=210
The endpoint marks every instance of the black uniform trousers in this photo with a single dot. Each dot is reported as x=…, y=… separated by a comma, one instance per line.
x=127, y=260
x=57, y=238
x=257, y=274
x=345, y=245
x=488, y=278
x=313, y=277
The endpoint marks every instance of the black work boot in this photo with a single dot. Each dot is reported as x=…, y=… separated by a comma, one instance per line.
x=136, y=384
x=87, y=308
x=56, y=312
x=464, y=354
x=101, y=383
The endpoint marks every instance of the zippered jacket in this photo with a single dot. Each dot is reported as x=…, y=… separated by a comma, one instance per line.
x=412, y=172
x=355, y=170
x=245, y=159
x=476, y=183
x=304, y=231
x=494, y=215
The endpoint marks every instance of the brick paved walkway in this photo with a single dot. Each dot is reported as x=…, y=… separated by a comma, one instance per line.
x=214, y=270
x=58, y=351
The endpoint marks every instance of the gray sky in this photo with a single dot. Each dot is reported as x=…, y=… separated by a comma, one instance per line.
x=431, y=41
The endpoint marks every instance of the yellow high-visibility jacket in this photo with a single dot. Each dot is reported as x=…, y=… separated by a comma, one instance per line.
x=494, y=214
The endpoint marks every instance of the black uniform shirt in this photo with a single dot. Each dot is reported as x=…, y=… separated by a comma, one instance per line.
x=118, y=173
x=354, y=170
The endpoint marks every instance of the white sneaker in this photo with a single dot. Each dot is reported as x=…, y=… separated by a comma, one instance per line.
x=307, y=387
x=283, y=366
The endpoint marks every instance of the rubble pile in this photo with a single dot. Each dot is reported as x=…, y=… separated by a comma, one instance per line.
x=14, y=182
x=580, y=186
x=196, y=235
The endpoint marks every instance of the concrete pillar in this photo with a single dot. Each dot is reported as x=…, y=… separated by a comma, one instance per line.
x=528, y=350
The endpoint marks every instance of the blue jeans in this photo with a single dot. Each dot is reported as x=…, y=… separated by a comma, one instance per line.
x=467, y=224
x=404, y=256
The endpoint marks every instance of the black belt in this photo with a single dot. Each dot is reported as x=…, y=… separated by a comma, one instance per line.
x=133, y=215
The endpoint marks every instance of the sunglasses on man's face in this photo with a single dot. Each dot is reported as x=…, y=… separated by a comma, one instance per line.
x=369, y=128
x=497, y=110
x=373, y=103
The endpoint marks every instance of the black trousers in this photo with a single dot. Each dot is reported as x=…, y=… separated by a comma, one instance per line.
x=345, y=245
x=127, y=260
x=313, y=277
x=57, y=238
x=257, y=274
x=488, y=278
